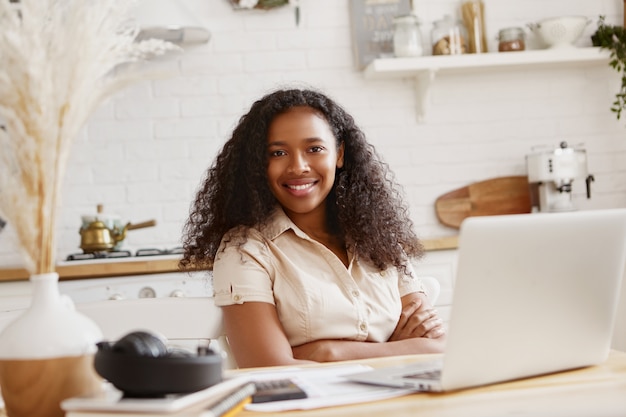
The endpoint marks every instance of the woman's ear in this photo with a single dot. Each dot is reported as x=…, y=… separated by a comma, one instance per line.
x=340, y=156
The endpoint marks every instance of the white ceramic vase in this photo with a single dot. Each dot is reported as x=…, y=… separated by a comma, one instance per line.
x=46, y=354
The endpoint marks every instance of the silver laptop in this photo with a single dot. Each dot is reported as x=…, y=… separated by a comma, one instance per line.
x=534, y=294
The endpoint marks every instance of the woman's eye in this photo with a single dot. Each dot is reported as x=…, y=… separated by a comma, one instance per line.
x=316, y=148
x=277, y=153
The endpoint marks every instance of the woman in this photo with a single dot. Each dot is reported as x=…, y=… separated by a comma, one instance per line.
x=309, y=240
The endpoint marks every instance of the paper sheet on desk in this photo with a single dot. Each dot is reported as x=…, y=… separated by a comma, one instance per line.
x=325, y=387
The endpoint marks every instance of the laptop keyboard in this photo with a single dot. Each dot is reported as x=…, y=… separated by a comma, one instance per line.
x=434, y=374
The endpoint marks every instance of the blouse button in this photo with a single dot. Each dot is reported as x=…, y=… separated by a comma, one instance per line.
x=355, y=293
x=237, y=297
x=383, y=273
x=363, y=326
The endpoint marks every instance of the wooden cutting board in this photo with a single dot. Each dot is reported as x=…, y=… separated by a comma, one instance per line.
x=502, y=195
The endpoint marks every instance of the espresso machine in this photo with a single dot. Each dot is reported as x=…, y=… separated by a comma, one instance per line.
x=552, y=172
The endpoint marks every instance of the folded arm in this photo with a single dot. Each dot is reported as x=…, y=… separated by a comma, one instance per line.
x=419, y=330
x=418, y=319
x=257, y=338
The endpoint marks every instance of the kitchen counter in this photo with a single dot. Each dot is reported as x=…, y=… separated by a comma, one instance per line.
x=150, y=264
x=103, y=268
x=442, y=243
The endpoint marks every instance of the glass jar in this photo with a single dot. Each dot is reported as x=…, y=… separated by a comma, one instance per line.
x=473, y=15
x=407, y=36
x=449, y=37
x=511, y=39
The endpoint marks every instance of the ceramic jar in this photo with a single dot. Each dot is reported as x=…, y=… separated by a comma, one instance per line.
x=46, y=354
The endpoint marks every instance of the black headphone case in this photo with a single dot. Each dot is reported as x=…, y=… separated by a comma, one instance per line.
x=144, y=376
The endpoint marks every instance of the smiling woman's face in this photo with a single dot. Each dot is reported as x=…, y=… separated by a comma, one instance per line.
x=302, y=160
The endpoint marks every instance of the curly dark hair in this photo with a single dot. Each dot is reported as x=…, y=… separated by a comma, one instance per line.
x=365, y=206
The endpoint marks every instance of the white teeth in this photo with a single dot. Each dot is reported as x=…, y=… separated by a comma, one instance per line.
x=300, y=187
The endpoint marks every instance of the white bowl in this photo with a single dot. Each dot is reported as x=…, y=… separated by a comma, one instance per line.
x=560, y=32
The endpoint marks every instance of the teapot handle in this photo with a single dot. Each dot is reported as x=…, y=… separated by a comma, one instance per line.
x=141, y=225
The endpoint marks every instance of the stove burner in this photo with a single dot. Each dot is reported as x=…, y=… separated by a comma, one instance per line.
x=156, y=252
x=99, y=255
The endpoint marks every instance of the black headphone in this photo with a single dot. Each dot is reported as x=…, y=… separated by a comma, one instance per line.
x=142, y=343
x=142, y=365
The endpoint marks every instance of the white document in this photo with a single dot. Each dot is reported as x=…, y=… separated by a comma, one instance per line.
x=325, y=387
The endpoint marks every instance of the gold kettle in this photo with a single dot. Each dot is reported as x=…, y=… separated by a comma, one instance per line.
x=97, y=237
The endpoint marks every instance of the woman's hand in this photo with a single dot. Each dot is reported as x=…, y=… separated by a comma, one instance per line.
x=417, y=319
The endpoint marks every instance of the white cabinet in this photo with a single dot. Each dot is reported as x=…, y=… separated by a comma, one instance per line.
x=427, y=69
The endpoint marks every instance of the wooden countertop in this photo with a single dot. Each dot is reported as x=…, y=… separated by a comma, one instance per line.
x=442, y=243
x=149, y=265
x=78, y=270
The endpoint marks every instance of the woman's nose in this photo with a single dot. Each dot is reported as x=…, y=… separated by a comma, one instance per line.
x=298, y=164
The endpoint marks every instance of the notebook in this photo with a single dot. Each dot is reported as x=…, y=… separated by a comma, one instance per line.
x=534, y=294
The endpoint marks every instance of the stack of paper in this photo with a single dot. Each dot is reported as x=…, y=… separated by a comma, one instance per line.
x=325, y=387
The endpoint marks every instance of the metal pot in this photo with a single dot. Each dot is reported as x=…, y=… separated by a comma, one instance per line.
x=97, y=237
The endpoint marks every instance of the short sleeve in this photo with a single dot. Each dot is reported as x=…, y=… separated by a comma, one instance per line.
x=409, y=282
x=242, y=272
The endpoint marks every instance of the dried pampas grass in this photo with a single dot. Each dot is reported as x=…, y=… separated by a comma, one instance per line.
x=59, y=60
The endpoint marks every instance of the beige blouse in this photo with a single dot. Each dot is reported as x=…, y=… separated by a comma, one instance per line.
x=315, y=296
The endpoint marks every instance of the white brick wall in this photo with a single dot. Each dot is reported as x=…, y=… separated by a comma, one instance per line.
x=143, y=153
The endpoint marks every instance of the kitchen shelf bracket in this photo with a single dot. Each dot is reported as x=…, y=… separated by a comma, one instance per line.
x=423, y=85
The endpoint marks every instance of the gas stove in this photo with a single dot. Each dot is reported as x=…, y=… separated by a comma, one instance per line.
x=117, y=254
x=139, y=282
x=145, y=284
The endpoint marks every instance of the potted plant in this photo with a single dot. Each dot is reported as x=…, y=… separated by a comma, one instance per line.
x=60, y=60
x=613, y=39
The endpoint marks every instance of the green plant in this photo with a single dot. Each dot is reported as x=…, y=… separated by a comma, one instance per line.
x=613, y=38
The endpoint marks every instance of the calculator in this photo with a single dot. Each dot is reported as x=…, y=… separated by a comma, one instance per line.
x=277, y=390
